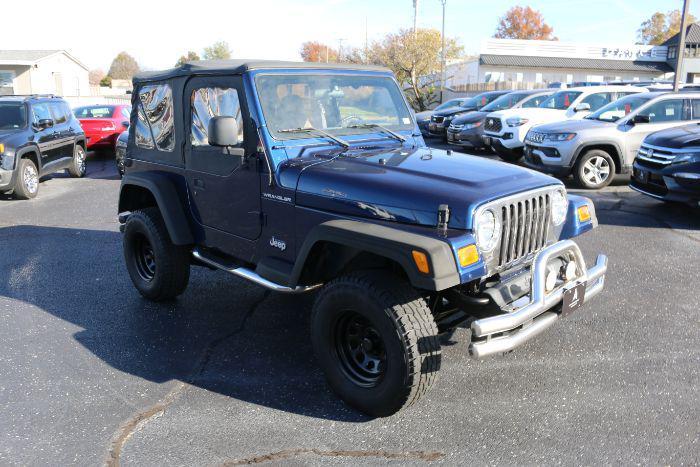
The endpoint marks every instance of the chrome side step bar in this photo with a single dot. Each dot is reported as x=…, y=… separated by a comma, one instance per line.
x=252, y=276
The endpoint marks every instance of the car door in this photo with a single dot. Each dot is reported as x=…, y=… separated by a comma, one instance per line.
x=225, y=189
x=64, y=136
x=46, y=137
x=662, y=114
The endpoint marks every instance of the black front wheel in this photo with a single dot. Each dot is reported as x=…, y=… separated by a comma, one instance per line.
x=376, y=341
x=158, y=269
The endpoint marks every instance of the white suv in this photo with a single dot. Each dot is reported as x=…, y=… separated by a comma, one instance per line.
x=505, y=131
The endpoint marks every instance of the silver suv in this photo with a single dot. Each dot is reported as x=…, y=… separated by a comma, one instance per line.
x=605, y=142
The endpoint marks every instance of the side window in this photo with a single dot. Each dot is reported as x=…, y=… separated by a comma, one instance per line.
x=213, y=102
x=695, y=104
x=597, y=100
x=40, y=112
x=59, y=115
x=669, y=110
x=155, y=126
x=534, y=102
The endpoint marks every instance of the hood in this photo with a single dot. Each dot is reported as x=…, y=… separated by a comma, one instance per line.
x=408, y=185
x=534, y=114
x=10, y=132
x=453, y=110
x=681, y=137
x=471, y=117
x=425, y=115
x=573, y=126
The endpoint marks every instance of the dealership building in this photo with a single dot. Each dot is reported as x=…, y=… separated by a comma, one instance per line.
x=544, y=62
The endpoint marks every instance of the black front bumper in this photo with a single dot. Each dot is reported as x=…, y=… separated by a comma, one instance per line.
x=469, y=138
x=534, y=161
x=667, y=182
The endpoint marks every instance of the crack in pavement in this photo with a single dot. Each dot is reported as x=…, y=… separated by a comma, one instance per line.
x=137, y=421
x=426, y=456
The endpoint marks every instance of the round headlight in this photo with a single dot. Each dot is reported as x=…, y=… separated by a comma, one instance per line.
x=488, y=231
x=560, y=205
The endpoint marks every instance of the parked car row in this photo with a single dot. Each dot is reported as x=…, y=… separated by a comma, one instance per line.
x=40, y=135
x=591, y=133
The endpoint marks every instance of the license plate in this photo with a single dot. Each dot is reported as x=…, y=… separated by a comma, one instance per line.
x=573, y=298
x=487, y=140
x=643, y=176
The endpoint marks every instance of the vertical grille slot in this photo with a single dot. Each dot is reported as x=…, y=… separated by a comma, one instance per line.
x=525, y=226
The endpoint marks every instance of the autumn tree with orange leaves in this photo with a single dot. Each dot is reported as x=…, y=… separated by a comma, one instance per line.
x=524, y=23
x=313, y=51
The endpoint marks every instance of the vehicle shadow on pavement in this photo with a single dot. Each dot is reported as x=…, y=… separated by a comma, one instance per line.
x=222, y=334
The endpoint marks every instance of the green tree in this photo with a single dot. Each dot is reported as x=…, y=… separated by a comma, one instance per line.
x=217, y=51
x=106, y=82
x=124, y=66
x=190, y=57
x=661, y=27
x=415, y=60
x=524, y=23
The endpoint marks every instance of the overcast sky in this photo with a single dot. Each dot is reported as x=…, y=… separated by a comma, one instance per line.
x=157, y=32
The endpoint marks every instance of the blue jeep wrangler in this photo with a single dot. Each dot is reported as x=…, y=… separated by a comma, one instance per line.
x=306, y=177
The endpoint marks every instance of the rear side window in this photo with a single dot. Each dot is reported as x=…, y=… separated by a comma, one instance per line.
x=597, y=100
x=155, y=125
x=59, y=112
x=213, y=102
x=669, y=110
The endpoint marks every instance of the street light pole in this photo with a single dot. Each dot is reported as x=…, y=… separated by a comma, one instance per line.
x=442, y=53
x=681, y=46
x=415, y=16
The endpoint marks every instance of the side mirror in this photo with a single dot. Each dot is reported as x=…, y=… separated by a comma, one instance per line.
x=640, y=119
x=582, y=107
x=125, y=124
x=45, y=123
x=222, y=131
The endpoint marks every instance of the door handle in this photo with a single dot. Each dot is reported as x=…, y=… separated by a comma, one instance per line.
x=199, y=183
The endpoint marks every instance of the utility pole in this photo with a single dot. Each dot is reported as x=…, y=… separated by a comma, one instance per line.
x=415, y=16
x=340, y=49
x=681, y=46
x=442, y=53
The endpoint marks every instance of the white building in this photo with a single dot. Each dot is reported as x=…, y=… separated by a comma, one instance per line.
x=507, y=60
x=42, y=72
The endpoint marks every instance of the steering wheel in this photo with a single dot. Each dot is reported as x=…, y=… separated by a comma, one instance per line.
x=350, y=120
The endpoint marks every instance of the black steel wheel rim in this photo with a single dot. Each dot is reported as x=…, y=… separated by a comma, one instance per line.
x=360, y=349
x=145, y=258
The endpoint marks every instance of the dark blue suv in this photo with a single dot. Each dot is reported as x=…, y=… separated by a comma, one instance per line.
x=38, y=135
x=306, y=177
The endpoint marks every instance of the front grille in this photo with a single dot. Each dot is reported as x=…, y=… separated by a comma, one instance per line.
x=525, y=227
x=493, y=124
x=455, y=128
x=656, y=156
x=437, y=118
x=535, y=137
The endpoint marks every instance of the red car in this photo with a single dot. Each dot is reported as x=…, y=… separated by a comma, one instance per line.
x=103, y=124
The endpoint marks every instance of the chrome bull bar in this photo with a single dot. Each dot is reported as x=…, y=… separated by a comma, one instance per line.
x=502, y=333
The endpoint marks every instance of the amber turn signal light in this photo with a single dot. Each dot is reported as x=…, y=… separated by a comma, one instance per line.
x=2, y=148
x=583, y=213
x=421, y=261
x=468, y=255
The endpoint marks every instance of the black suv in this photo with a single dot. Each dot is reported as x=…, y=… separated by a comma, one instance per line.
x=305, y=177
x=38, y=135
x=667, y=166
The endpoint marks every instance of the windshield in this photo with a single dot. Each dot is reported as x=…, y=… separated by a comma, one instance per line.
x=102, y=111
x=619, y=108
x=504, y=102
x=448, y=104
x=338, y=104
x=12, y=115
x=561, y=100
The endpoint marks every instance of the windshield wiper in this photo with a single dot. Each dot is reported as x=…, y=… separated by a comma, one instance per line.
x=339, y=141
x=393, y=134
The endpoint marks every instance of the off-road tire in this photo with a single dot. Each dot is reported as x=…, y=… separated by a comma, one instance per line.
x=583, y=178
x=22, y=185
x=78, y=165
x=405, y=325
x=170, y=271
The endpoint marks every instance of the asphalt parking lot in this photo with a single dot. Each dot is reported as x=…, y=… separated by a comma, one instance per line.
x=90, y=373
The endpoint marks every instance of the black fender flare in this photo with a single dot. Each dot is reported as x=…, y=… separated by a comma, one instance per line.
x=26, y=149
x=81, y=139
x=392, y=243
x=167, y=199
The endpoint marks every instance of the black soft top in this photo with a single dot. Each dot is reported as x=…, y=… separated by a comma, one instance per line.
x=241, y=66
